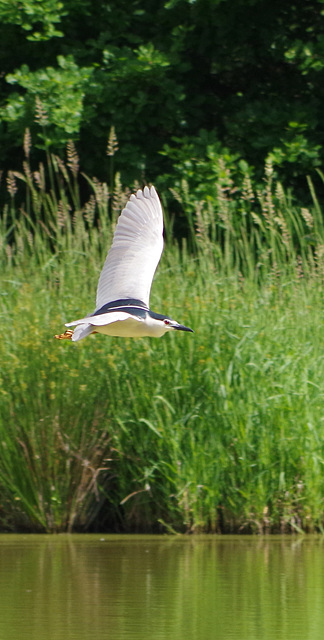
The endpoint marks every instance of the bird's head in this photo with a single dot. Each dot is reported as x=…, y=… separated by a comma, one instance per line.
x=160, y=324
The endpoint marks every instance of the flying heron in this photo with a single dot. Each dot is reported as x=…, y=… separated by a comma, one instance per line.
x=123, y=293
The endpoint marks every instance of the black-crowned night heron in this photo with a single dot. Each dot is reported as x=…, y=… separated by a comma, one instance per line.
x=123, y=293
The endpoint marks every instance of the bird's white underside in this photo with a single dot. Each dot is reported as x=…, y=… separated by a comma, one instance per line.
x=117, y=323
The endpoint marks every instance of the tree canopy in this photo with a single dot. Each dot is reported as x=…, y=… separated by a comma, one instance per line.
x=177, y=79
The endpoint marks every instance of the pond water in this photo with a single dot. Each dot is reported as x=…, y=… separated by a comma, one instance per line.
x=161, y=588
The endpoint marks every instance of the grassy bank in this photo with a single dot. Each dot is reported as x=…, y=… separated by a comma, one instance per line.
x=221, y=430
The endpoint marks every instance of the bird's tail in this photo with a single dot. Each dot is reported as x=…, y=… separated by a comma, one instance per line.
x=81, y=331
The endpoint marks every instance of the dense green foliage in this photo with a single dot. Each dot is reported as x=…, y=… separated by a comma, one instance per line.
x=172, y=77
x=221, y=430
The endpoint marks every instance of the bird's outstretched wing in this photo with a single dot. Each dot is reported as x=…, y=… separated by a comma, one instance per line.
x=135, y=252
x=85, y=326
x=103, y=319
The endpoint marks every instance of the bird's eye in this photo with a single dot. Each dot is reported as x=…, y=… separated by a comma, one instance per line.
x=166, y=321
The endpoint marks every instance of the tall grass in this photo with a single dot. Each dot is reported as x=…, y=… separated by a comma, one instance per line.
x=217, y=431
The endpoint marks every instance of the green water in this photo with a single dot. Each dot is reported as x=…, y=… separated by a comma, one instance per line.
x=154, y=588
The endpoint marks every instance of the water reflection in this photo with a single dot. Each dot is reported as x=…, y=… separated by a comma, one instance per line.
x=144, y=588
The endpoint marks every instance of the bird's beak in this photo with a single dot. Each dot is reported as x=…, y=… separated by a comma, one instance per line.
x=181, y=327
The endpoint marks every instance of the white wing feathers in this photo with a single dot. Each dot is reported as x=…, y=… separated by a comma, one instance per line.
x=102, y=319
x=135, y=252
x=83, y=327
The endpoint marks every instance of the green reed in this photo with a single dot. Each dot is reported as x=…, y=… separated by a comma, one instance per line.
x=221, y=430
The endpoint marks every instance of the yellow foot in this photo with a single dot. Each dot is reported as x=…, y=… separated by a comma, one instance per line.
x=67, y=335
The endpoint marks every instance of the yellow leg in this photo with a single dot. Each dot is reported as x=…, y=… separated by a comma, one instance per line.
x=67, y=335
